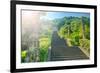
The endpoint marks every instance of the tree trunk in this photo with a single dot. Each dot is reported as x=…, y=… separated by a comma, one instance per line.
x=83, y=28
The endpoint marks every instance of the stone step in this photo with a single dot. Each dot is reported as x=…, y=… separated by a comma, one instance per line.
x=68, y=58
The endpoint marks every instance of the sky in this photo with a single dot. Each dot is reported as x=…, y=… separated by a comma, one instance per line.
x=53, y=15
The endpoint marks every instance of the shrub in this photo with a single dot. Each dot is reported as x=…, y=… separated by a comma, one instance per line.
x=85, y=44
x=43, y=55
x=23, y=55
x=75, y=39
x=44, y=44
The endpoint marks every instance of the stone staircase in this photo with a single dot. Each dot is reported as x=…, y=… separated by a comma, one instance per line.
x=60, y=50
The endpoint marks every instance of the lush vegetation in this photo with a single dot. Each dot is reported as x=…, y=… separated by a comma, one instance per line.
x=29, y=52
x=76, y=31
